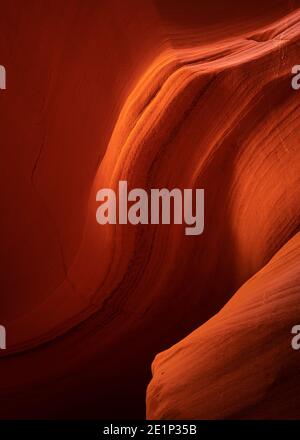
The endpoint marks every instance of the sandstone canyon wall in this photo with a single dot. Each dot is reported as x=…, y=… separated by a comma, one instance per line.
x=161, y=94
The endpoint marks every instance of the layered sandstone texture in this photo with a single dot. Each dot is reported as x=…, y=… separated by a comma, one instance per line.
x=162, y=94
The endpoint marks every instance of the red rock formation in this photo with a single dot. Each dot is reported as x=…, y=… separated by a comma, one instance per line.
x=161, y=94
x=239, y=364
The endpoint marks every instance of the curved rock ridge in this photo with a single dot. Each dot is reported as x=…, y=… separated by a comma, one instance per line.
x=161, y=94
x=157, y=142
x=240, y=363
